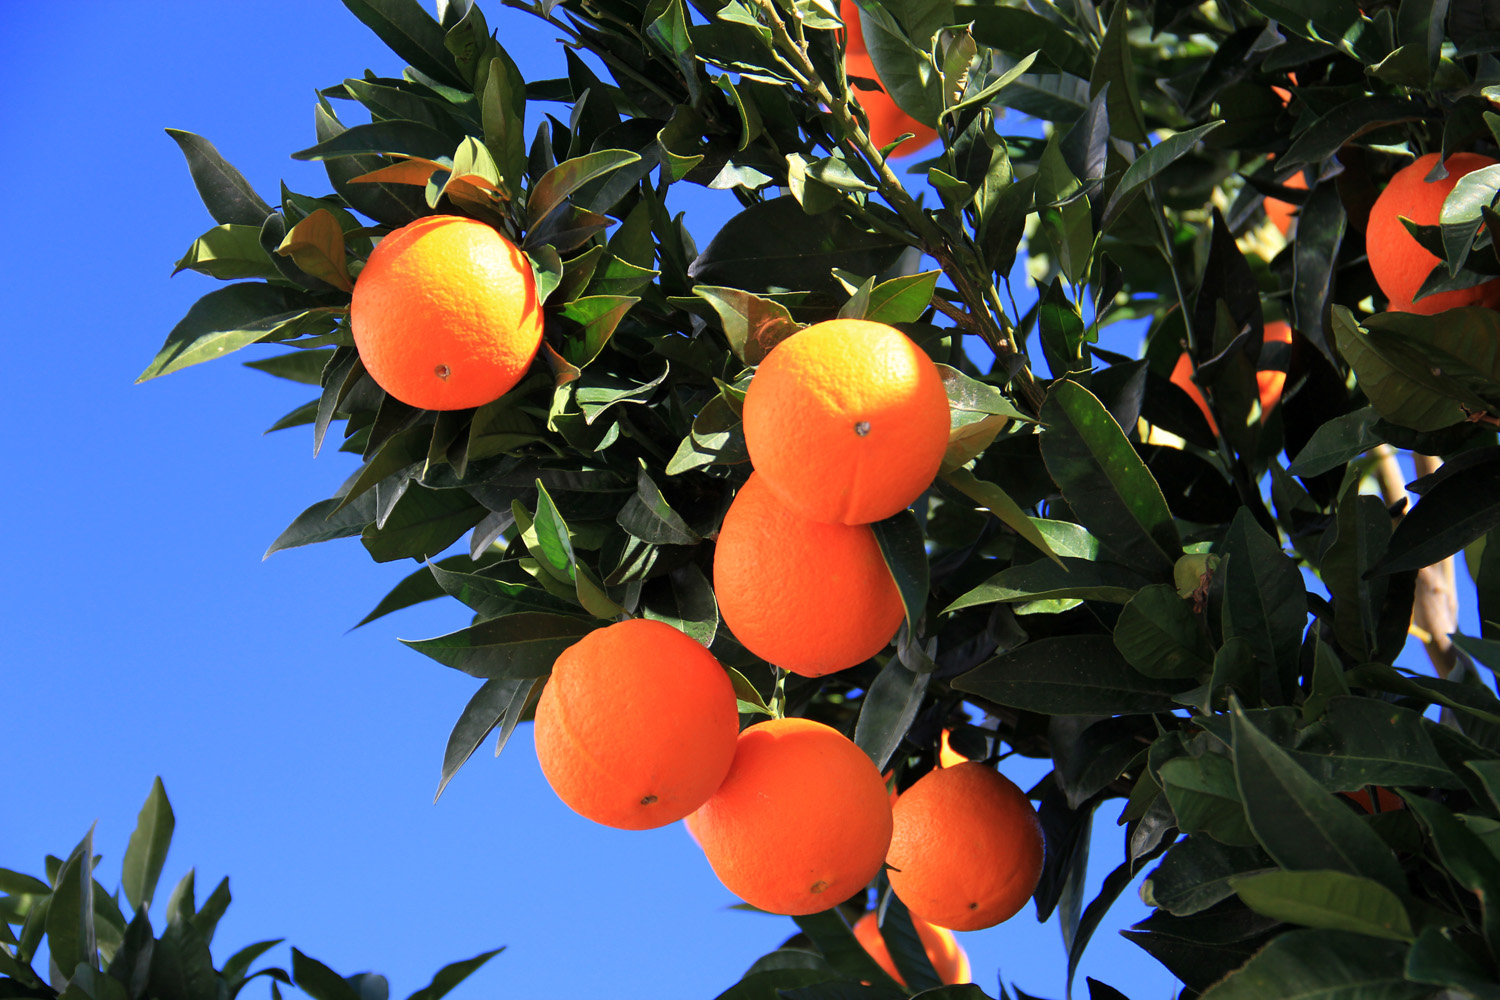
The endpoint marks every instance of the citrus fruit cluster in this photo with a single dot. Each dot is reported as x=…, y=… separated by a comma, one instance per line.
x=846, y=423
x=445, y=314
x=638, y=727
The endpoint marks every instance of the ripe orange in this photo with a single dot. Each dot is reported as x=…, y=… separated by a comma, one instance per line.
x=810, y=597
x=847, y=421
x=1272, y=381
x=636, y=726
x=968, y=847
x=947, y=756
x=802, y=821
x=1182, y=378
x=887, y=121
x=445, y=314
x=1398, y=261
x=948, y=958
x=1283, y=213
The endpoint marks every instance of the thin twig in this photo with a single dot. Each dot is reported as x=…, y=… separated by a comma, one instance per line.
x=1434, y=613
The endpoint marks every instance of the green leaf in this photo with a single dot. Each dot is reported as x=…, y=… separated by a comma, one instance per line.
x=315, y=524
x=906, y=948
x=648, y=516
x=1436, y=959
x=225, y=320
x=1461, y=507
x=1265, y=600
x=206, y=920
x=412, y=34
x=498, y=702
x=1465, y=857
x=147, y=851
x=228, y=253
x=239, y=963
x=489, y=597
x=181, y=966
x=753, y=325
x=393, y=138
x=1302, y=826
x=693, y=608
x=1069, y=578
x=1333, y=900
x=829, y=931
x=1204, y=798
x=1196, y=874
x=1361, y=535
x=450, y=975
x=1115, y=69
x=228, y=196
x=1353, y=118
x=70, y=917
x=316, y=245
x=1160, y=635
x=598, y=315
x=562, y=180
x=1337, y=442
x=1321, y=965
x=905, y=552
x=422, y=524
x=903, y=299
x=1067, y=675
x=319, y=981
x=1105, y=482
x=524, y=645
x=669, y=31
x=995, y=500
x=888, y=710
x=1151, y=163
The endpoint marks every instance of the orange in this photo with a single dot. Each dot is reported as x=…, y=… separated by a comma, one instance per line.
x=1388, y=800
x=636, y=726
x=801, y=823
x=1283, y=213
x=847, y=421
x=967, y=847
x=803, y=595
x=1271, y=381
x=1182, y=378
x=887, y=121
x=948, y=958
x=947, y=756
x=445, y=314
x=1398, y=261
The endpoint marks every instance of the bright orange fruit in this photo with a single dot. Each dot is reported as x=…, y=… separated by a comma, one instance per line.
x=947, y=756
x=1182, y=377
x=1398, y=261
x=1283, y=213
x=847, y=421
x=966, y=846
x=802, y=821
x=803, y=595
x=887, y=121
x=445, y=314
x=636, y=726
x=948, y=958
x=1271, y=381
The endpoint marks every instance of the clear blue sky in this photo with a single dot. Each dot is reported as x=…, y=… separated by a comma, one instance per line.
x=145, y=636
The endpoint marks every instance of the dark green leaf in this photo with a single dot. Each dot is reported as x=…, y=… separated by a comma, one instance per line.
x=1340, y=440
x=562, y=180
x=519, y=645
x=315, y=524
x=450, y=975
x=228, y=253
x=225, y=320
x=1196, y=872
x=228, y=196
x=1204, y=798
x=1324, y=137
x=888, y=710
x=1161, y=635
x=239, y=963
x=423, y=523
x=1302, y=826
x=1322, y=965
x=394, y=138
x=1105, y=482
x=995, y=500
x=498, y=702
x=1436, y=959
x=413, y=35
x=753, y=325
x=904, y=945
x=904, y=549
x=147, y=851
x=492, y=598
x=1070, y=578
x=1114, y=69
x=1462, y=507
x=319, y=981
x=829, y=931
x=1265, y=600
x=70, y=917
x=1151, y=163
x=1068, y=675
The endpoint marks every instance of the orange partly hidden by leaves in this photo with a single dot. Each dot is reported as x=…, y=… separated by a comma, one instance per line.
x=1384, y=798
x=636, y=726
x=1400, y=264
x=947, y=756
x=847, y=421
x=1282, y=213
x=887, y=121
x=1182, y=378
x=1270, y=382
x=445, y=314
x=802, y=821
x=948, y=958
x=807, y=596
x=966, y=848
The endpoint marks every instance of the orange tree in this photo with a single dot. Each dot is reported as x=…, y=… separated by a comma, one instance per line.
x=1190, y=604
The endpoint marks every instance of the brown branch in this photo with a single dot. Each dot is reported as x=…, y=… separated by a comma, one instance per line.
x=1434, y=614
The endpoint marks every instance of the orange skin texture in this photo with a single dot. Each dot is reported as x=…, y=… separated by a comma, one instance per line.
x=802, y=821
x=847, y=421
x=948, y=958
x=445, y=314
x=807, y=596
x=887, y=121
x=1283, y=213
x=637, y=725
x=1270, y=382
x=1398, y=261
x=968, y=847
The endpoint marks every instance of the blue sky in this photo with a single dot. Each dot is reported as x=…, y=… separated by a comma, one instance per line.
x=146, y=636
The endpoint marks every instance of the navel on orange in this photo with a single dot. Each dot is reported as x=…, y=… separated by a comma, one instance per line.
x=847, y=420
x=636, y=726
x=807, y=596
x=445, y=314
x=966, y=848
x=801, y=822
